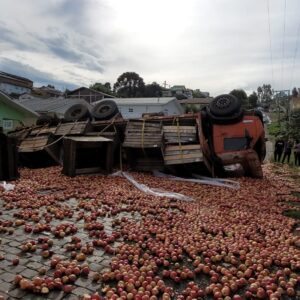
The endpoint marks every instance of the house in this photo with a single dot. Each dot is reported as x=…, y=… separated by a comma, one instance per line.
x=57, y=105
x=196, y=103
x=179, y=91
x=47, y=91
x=136, y=107
x=14, y=85
x=13, y=114
x=89, y=95
x=294, y=103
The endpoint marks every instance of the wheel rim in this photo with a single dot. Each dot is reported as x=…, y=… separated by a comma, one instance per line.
x=223, y=103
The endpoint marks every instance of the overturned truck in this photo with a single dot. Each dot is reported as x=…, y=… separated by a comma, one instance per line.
x=221, y=139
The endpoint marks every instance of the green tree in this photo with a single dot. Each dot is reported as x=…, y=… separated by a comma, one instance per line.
x=252, y=100
x=129, y=85
x=241, y=95
x=104, y=88
x=265, y=93
x=153, y=90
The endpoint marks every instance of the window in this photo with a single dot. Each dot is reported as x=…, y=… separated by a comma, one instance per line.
x=130, y=109
x=8, y=124
x=235, y=143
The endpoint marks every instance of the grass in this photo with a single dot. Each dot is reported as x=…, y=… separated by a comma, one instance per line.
x=296, y=194
x=292, y=213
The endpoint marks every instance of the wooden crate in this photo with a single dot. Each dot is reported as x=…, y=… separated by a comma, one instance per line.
x=87, y=154
x=74, y=128
x=8, y=158
x=179, y=134
x=42, y=130
x=42, y=143
x=143, y=135
x=182, y=154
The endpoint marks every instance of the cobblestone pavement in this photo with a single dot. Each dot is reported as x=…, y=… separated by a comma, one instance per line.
x=30, y=263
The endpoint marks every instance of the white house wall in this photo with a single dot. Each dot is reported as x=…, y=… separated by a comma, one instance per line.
x=136, y=111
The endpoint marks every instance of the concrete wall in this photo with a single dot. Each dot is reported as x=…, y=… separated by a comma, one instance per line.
x=11, y=118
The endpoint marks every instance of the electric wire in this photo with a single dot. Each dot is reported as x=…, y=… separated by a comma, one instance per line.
x=294, y=57
x=270, y=41
x=283, y=42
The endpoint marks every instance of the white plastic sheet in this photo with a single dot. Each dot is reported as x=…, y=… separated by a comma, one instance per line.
x=152, y=191
x=202, y=180
x=7, y=186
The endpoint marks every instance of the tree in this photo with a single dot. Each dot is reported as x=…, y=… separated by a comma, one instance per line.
x=153, y=90
x=252, y=100
x=129, y=85
x=295, y=92
x=104, y=88
x=265, y=93
x=241, y=95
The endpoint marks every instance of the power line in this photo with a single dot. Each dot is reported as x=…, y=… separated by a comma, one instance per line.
x=270, y=40
x=295, y=56
x=283, y=41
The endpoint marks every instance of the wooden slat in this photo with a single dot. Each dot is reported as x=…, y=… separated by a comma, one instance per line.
x=183, y=156
x=175, y=128
x=131, y=145
x=184, y=147
x=183, y=161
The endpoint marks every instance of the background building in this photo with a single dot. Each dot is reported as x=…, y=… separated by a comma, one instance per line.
x=14, y=85
x=136, y=107
x=13, y=114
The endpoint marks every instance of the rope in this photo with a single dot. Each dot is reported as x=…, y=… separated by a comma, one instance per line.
x=270, y=40
x=56, y=141
x=143, y=130
x=111, y=123
x=283, y=41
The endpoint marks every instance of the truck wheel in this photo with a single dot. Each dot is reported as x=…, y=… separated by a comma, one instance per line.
x=76, y=112
x=104, y=110
x=224, y=105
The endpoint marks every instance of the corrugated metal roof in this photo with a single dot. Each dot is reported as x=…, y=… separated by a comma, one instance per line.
x=58, y=105
x=140, y=101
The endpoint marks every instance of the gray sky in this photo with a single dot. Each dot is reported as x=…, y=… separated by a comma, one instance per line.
x=214, y=45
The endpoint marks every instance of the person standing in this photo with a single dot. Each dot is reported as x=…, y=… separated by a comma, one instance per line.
x=297, y=153
x=287, y=151
x=279, y=146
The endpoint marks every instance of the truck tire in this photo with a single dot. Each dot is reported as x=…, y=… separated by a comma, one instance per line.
x=224, y=106
x=47, y=120
x=105, y=110
x=76, y=112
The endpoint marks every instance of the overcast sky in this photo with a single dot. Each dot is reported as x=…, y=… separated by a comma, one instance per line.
x=213, y=45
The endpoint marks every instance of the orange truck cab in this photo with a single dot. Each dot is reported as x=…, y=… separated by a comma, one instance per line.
x=233, y=138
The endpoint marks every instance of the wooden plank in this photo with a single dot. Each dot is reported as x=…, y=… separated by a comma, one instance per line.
x=185, y=147
x=184, y=161
x=182, y=152
x=175, y=128
x=183, y=156
x=145, y=124
x=125, y=145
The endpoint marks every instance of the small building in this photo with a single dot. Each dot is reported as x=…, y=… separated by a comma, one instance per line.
x=89, y=95
x=195, y=103
x=14, y=115
x=47, y=91
x=136, y=107
x=14, y=85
